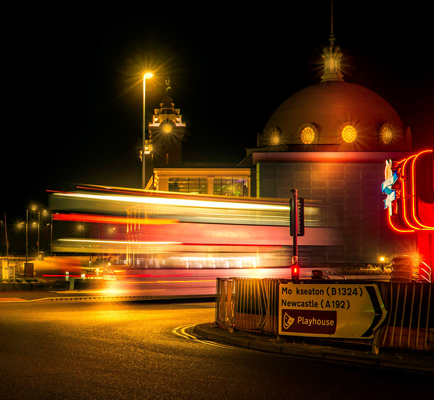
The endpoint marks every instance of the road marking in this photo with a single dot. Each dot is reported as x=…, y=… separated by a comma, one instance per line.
x=11, y=299
x=187, y=336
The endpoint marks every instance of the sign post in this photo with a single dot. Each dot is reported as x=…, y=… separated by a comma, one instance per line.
x=330, y=310
x=296, y=228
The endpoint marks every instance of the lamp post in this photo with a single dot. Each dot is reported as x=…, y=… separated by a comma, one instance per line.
x=34, y=208
x=147, y=75
x=27, y=234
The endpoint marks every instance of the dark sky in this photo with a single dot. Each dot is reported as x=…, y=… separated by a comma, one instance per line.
x=72, y=114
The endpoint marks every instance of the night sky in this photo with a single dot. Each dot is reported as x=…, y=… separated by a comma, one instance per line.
x=72, y=94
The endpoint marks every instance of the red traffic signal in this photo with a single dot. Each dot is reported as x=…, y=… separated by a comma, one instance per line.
x=295, y=271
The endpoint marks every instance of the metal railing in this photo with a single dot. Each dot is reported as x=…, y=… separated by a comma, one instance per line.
x=250, y=304
x=410, y=320
x=425, y=273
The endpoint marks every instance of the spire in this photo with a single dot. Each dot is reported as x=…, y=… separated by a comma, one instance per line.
x=332, y=58
x=167, y=101
x=167, y=83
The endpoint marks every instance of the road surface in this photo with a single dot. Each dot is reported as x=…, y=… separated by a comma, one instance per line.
x=138, y=350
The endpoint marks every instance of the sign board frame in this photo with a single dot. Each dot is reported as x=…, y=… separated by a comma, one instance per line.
x=334, y=310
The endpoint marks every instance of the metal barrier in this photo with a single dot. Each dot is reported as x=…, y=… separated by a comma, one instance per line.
x=410, y=321
x=425, y=273
x=250, y=304
x=256, y=304
x=224, y=302
x=407, y=268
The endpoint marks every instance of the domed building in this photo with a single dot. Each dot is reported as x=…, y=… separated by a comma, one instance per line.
x=330, y=141
x=336, y=116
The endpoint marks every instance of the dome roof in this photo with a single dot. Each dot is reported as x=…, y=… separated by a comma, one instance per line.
x=344, y=115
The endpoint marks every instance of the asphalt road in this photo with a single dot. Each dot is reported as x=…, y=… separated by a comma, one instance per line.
x=129, y=350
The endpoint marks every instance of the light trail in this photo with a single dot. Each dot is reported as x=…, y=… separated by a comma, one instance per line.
x=173, y=202
x=115, y=241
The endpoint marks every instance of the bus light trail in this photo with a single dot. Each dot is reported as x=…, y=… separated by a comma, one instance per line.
x=106, y=219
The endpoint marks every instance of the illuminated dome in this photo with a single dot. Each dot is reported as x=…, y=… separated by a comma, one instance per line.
x=343, y=117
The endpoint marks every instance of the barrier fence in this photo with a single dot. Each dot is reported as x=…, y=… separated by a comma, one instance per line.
x=252, y=305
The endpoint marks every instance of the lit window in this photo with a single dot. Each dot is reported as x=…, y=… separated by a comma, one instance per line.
x=275, y=138
x=349, y=134
x=307, y=135
x=386, y=134
x=167, y=128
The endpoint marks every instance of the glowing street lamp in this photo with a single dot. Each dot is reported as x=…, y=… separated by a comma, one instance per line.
x=34, y=208
x=145, y=149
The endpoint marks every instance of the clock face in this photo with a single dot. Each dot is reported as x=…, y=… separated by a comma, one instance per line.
x=167, y=128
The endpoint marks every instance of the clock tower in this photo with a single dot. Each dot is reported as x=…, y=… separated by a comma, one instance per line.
x=166, y=131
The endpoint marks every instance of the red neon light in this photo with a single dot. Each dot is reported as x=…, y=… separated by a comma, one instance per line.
x=395, y=228
x=106, y=219
x=408, y=176
x=413, y=192
x=404, y=196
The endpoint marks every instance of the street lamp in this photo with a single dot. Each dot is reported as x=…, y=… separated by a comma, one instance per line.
x=34, y=208
x=147, y=75
x=382, y=259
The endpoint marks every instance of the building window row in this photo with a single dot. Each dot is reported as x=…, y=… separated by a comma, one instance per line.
x=309, y=135
x=231, y=186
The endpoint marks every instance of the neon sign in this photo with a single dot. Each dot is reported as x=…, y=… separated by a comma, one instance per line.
x=386, y=187
x=409, y=189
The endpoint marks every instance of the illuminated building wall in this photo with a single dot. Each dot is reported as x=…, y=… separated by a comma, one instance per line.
x=351, y=196
x=330, y=142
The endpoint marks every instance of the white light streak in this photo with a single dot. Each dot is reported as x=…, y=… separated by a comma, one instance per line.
x=174, y=202
x=113, y=241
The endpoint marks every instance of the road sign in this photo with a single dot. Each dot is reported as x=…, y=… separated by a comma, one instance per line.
x=330, y=310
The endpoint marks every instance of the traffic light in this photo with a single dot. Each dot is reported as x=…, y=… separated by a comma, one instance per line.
x=295, y=271
x=299, y=214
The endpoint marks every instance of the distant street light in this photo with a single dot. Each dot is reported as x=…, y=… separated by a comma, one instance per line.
x=147, y=75
x=34, y=208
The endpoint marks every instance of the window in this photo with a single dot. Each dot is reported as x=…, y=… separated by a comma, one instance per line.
x=386, y=133
x=231, y=187
x=275, y=138
x=349, y=134
x=307, y=135
x=188, y=185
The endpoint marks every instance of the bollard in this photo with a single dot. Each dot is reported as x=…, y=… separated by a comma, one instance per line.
x=71, y=283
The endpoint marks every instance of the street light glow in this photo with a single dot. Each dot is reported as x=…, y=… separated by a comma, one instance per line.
x=148, y=75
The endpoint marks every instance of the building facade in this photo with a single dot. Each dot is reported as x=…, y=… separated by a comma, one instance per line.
x=330, y=141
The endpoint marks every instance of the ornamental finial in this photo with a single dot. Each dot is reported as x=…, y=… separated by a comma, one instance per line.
x=167, y=82
x=332, y=57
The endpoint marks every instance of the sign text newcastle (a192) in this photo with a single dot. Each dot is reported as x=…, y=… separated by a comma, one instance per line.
x=331, y=310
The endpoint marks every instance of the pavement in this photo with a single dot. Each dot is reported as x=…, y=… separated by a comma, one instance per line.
x=331, y=351
x=328, y=351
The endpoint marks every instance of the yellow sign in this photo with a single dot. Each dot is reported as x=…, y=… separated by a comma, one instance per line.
x=330, y=310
